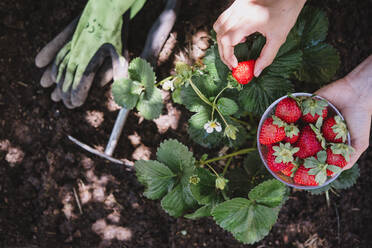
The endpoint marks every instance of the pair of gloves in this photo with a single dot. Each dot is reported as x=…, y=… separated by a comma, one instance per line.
x=88, y=49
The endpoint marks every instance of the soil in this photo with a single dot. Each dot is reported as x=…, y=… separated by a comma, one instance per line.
x=41, y=170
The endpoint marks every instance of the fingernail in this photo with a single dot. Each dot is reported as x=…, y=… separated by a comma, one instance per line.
x=257, y=72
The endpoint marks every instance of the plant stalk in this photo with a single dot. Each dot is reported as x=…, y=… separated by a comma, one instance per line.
x=240, y=152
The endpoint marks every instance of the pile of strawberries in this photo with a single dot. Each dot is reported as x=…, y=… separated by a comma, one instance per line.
x=305, y=140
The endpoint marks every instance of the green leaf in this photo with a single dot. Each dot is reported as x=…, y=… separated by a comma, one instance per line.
x=320, y=64
x=136, y=7
x=207, y=87
x=216, y=68
x=257, y=96
x=240, y=139
x=205, y=192
x=204, y=211
x=176, y=96
x=177, y=157
x=257, y=45
x=198, y=133
x=125, y=92
x=344, y=181
x=140, y=70
x=157, y=178
x=252, y=173
x=241, y=51
x=169, y=176
x=249, y=220
x=177, y=201
x=269, y=193
x=347, y=178
x=286, y=62
x=150, y=105
x=311, y=26
x=227, y=106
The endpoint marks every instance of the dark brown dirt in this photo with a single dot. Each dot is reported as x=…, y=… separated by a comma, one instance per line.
x=40, y=169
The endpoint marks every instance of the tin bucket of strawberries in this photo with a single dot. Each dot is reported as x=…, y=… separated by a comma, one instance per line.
x=303, y=141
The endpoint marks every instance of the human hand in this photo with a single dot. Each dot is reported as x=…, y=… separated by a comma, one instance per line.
x=352, y=96
x=272, y=18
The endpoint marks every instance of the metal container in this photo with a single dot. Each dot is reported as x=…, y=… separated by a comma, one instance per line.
x=263, y=149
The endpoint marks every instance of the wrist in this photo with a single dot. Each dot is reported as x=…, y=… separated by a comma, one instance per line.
x=361, y=89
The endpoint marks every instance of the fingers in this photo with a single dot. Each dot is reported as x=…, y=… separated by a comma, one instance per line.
x=47, y=79
x=104, y=74
x=79, y=95
x=61, y=71
x=47, y=54
x=56, y=95
x=267, y=55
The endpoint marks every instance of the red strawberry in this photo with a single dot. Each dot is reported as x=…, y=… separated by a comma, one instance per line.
x=308, y=143
x=312, y=119
x=272, y=164
x=280, y=157
x=335, y=159
x=334, y=129
x=288, y=110
x=313, y=108
x=291, y=133
x=302, y=177
x=243, y=73
x=339, y=155
x=290, y=170
x=272, y=131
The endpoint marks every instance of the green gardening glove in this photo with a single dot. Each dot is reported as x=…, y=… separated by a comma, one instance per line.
x=97, y=37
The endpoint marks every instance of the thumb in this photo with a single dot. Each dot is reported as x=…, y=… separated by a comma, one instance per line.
x=267, y=55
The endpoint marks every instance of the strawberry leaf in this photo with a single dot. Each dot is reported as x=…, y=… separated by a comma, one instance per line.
x=141, y=71
x=205, y=192
x=244, y=178
x=320, y=64
x=227, y=106
x=156, y=177
x=311, y=27
x=257, y=96
x=249, y=220
x=215, y=67
x=320, y=60
x=168, y=178
x=204, y=211
x=345, y=180
x=198, y=133
x=126, y=92
x=150, y=104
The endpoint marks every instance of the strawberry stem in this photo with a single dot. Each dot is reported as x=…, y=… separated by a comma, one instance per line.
x=240, y=152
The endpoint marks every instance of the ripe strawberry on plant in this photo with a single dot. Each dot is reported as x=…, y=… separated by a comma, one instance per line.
x=313, y=108
x=280, y=156
x=291, y=133
x=338, y=155
x=302, y=177
x=308, y=143
x=334, y=129
x=288, y=110
x=272, y=131
x=243, y=73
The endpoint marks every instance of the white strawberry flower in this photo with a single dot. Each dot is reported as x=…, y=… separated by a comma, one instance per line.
x=210, y=126
x=168, y=85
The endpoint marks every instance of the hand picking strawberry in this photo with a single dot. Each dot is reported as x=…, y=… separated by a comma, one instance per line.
x=243, y=73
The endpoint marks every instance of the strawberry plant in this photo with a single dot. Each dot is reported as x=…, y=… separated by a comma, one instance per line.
x=234, y=188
